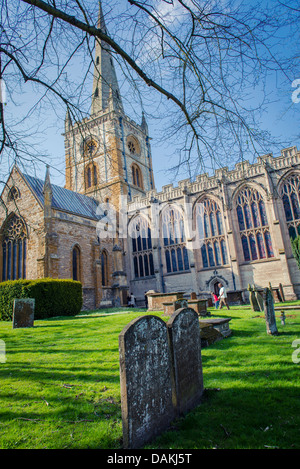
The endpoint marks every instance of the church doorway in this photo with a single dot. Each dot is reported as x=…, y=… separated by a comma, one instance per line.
x=215, y=287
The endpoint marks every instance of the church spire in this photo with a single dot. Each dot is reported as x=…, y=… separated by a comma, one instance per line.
x=105, y=78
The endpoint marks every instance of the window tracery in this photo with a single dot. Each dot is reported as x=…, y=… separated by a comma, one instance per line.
x=140, y=234
x=133, y=145
x=253, y=225
x=14, y=249
x=290, y=194
x=211, y=233
x=176, y=255
x=13, y=194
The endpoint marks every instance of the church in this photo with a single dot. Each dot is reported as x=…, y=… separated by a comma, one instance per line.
x=109, y=228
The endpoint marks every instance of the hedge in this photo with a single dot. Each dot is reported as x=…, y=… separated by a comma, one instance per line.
x=53, y=297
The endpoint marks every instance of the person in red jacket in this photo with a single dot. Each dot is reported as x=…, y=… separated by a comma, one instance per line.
x=215, y=300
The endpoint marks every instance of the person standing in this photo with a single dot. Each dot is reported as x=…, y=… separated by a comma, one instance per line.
x=132, y=300
x=223, y=296
x=215, y=300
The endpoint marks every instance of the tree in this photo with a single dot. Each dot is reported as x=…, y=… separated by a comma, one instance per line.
x=296, y=249
x=205, y=63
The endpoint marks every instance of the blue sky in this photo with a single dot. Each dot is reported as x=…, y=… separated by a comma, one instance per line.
x=281, y=119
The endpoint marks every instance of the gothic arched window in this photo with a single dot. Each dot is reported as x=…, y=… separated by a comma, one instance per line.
x=290, y=193
x=76, y=263
x=13, y=194
x=211, y=233
x=91, y=175
x=140, y=234
x=104, y=269
x=253, y=225
x=14, y=248
x=137, y=178
x=176, y=255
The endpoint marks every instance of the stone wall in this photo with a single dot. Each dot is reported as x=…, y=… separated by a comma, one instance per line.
x=265, y=176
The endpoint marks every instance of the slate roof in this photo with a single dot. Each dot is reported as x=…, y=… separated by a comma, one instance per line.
x=64, y=199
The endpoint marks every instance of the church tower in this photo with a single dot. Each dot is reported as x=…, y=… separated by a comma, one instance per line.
x=107, y=153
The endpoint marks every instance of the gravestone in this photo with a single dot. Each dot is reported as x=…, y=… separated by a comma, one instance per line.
x=282, y=297
x=200, y=306
x=146, y=384
x=259, y=300
x=23, y=312
x=282, y=317
x=185, y=343
x=271, y=290
x=269, y=312
x=252, y=299
x=181, y=303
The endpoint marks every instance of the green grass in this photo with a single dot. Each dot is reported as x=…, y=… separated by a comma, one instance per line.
x=59, y=386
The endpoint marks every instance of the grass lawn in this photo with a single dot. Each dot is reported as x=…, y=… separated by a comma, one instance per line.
x=59, y=386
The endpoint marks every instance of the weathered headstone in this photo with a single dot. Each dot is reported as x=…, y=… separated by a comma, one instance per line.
x=185, y=343
x=269, y=312
x=181, y=303
x=271, y=290
x=259, y=300
x=252, y=298
x=23, y=312
x=281, y=292
x=146, y=384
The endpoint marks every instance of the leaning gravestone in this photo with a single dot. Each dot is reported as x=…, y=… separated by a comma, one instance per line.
x=259, y=300
x=23, y=312
x=252, y=299
x=269, y=312
x=282, y=297
x=185, y=343
x=146, y=385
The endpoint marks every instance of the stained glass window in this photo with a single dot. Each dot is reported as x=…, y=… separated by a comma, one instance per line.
x=176, y=255
x=14, y=238
x=253, y=225
x=211, y=233
x=290, y=193
x=140, y=234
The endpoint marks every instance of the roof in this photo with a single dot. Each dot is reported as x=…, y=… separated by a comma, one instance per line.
x=64, y=199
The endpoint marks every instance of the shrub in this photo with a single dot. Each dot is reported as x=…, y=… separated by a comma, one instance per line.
x=53, y=297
